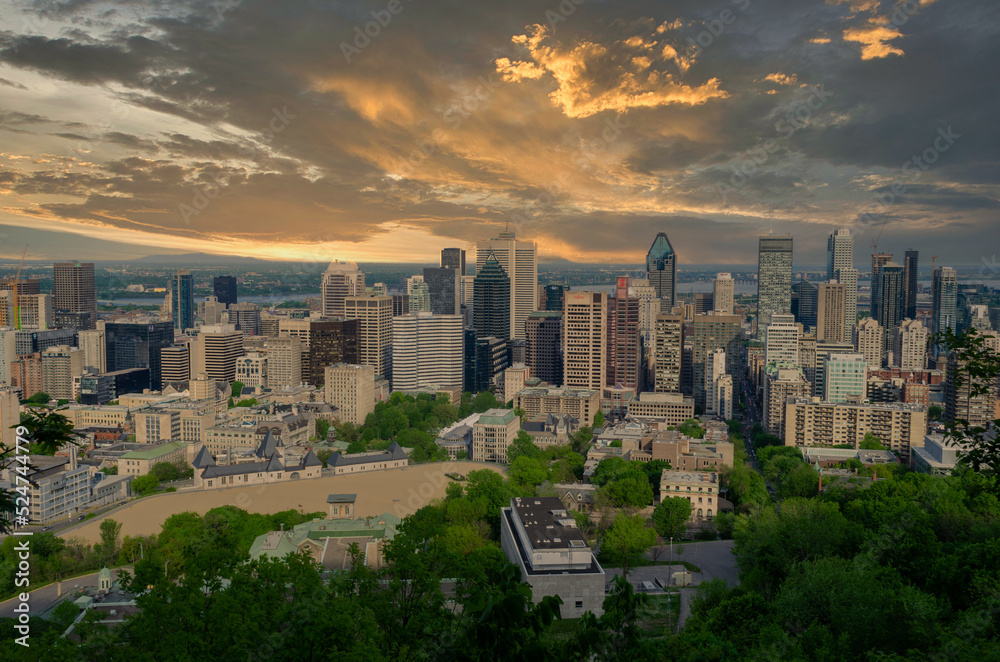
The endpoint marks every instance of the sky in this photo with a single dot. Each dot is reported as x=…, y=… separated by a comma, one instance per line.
x=386, y=130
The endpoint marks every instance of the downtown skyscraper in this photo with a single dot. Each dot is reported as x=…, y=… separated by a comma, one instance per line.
x=840, y=267
x=73, y=290
x=910, y=272
x=182, y=301
x=491, y=311
x=774, y=278
x=340, y=280
x=944, y=301
x=519, y=260
x=661, y=269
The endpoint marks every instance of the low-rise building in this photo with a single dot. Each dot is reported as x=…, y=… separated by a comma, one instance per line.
x=581, y=404
x=938, y=456
x=701, y=488
x=539, y=536
x=139, y=462
x=269, y=467
x=391, y=458
x=493, y=433
x=671, y=408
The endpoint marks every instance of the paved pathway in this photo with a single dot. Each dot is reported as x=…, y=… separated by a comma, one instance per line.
x=45, y=597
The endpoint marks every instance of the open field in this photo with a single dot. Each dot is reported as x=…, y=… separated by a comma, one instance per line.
x=398, y=491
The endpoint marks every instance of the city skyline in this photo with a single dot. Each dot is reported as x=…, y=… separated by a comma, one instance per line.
x=128, y=136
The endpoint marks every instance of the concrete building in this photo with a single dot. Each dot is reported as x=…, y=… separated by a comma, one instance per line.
x=840, y=267
x=95, y=354
x=831, y=309
x=845, y=378
x=701, y=488
x=26, y=375
x=713, y=332
x=215, y=350
x=246, y=317
x=668, y=352
x=391, y=458
x=939, y=456
x=514, y=378
x=822, y=351
x=519, y=260
x=539, y=536
x=374, y=315
x=427, y=351
x=284, y=362
x=781, y=382
x=944, y=301
x=722, y=293
x=139, y=462
x=59, y=486
x=810, y=422
x=543, y=352
x=661, y=270
x=715, y=368
x=782, y=343
x=419, y=294
x=868, y=339
x=351, y=389
x=340, y=280
x=251, y=371
x=30, y=311
x=10, y=416
x=774, y=278
x=175, y=364
x=269, y=465
x=60, y=365
x=582, y=404
x=909, y=346
x=73, y=289
x=626, y=369
x=585, y=327
x=959, y=401
x=671, y=408
x=493, y=433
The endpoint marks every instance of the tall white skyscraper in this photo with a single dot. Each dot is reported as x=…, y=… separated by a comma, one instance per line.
x=585, y=326
x=92, y=344
x=519, y=260
x=840, y=267
x=718, y=385
x=340, y=280
x=869, y=338
x=427, y=351
x=723, y=293
x=782, y=344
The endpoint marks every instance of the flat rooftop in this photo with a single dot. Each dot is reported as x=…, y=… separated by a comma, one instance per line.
x=547, y=523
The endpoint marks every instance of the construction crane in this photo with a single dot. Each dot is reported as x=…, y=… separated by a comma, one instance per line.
x=933, y=262
x=14, y=288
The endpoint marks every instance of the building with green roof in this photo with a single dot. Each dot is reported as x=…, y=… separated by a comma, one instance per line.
x=139, y=462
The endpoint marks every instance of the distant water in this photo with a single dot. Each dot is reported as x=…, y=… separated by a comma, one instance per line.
x=265, y=300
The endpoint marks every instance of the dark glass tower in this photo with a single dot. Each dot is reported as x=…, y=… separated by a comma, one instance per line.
x=453, y=258
x=443, y=284
x=225, y=289
x=182, y=301
x=889, y=311
x=661, y=267
x=806, y=295
x=910, y=279
x=137, y=346
x=491, y=300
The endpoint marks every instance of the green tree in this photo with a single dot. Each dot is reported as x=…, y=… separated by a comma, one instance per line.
x=633, y=491
x=626, y=541
x=528, y=472
x=110, y=540
x=164, y=472
x=670, y=517
x=871, y=443
x=322, y=429
x=934, y=412
x=110, y=471
x=47, y=429
x=599, y=419
x=237, y=388
x=524, y=445
x=144, y=485
x=41, y=398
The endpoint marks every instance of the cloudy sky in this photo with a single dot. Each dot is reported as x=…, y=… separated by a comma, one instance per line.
x=385, y=130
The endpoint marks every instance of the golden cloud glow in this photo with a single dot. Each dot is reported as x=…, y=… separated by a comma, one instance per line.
x=781, y=79
x=874, y=40
x=593, y=77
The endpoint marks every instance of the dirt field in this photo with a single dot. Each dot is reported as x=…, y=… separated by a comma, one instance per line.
x=398, y=491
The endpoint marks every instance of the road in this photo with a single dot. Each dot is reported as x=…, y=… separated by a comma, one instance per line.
x=45, y=597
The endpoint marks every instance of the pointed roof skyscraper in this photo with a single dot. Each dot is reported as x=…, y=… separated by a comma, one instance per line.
x=661, y=268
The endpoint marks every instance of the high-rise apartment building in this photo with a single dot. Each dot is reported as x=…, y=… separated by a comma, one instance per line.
x=444, y=286
x=909, y=347
x=137, y=345
x=668, y=352
x=869, y=341
x=846, y=378
x=351, y=389
x=453, y=258
x=340, y=280
x=182, y=300
x=543, y=345
x=910, y=272
x=284, y=361
x=519, y=260
x=214, y=352
x=661, y=269
x=831, y=308
x=959, y=401
x=781, y=381
x=820, y=354
x=491, y=311
x=73, y=289
x=723, y=293
x=840, y=267
x=715, y=368
x=374, y=315
x=782, y=343
x=94, y=351
x=245, y=317
x=427, y=351
x=60, y=365
x=713, y=332
x=224, y=288
x=625, y=349
x=944, y=301
x=32, y=311
x=419, y=293
x=774, y=278
x=585, y=327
